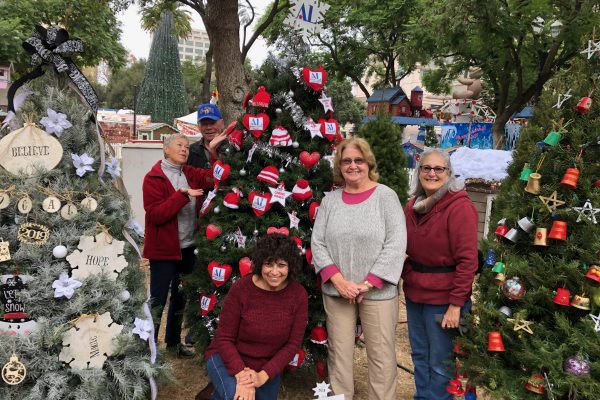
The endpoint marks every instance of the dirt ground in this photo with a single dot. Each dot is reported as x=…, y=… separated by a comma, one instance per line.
x=191, y=376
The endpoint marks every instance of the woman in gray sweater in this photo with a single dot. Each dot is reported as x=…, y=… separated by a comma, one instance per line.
x=359, y=244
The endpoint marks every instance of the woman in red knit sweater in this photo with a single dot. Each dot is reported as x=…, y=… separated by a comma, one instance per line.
x=261, y=325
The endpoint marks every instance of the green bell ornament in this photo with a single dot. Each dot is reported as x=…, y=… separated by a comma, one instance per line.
x=525, y=172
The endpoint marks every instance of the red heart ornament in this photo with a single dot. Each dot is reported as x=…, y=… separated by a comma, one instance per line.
x=283, y=230
x=256, y=124
x=219, y=273
x=245, y=265
x=315, y=78
x=309, y=160
x=207, y=303
x=261, y=203
x=297, y=360
x=329, y=128
x=220, y=171
x=313, y=209
x=213, y=231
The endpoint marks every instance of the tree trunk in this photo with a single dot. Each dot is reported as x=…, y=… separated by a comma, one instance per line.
x=205, y=95
x=223, y=27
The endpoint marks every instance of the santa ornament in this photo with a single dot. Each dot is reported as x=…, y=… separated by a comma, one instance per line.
x=262, y=98
x=301, y=191
x=232, y=200
x=315, y=78
x=318, y=335
x=269, y=174
x=280, y=137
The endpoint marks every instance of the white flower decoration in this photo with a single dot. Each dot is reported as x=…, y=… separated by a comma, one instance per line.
x=143, y=328
x=55, y=122
x=114, y=168
x=65, y=286
x=82, y=163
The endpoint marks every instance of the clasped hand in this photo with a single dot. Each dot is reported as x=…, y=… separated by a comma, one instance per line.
x=248, y=380
x=350, y=290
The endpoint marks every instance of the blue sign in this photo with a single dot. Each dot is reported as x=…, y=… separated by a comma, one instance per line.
x=476, y=135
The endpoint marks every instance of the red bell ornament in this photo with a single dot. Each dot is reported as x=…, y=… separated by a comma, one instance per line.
x=558, y=230
x=584, y=106
x=593, y=273
x=536, y=384
x=570, y=178
x=495, y=342
x=501, y=230
x=562, y=297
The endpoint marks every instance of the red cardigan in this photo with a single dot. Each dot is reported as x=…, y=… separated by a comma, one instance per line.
x=446, y=235
x=162, y=203
x=260, y=329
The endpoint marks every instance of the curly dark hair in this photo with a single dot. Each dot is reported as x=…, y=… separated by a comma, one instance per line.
x=275, y=247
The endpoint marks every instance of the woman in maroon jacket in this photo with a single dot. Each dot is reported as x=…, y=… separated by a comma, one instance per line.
x=441, y=225
x=261, y=324
x=170, y=191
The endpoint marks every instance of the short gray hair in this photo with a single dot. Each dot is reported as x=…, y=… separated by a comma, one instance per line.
x=169, y=139
x=454, y=185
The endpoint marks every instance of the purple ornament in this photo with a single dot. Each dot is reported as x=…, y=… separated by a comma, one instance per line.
x=577, y=366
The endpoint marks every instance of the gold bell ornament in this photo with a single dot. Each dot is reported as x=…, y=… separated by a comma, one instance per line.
x=541, y=237
x=533, y=183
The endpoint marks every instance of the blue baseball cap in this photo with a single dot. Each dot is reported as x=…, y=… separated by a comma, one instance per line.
x=209, y=111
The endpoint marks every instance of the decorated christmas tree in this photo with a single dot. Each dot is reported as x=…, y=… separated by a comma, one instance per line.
x=271, y=178
x=75, y=323
x=537, y=310
x=162, y=94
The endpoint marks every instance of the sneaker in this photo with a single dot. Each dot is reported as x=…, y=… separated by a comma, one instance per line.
x=181, y=351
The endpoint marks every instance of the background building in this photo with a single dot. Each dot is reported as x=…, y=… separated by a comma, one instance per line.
x=194, y=47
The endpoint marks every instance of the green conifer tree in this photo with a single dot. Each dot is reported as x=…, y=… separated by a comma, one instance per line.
x=162, y=94
x=385, y=138
x=431, y=139
x=564, y=342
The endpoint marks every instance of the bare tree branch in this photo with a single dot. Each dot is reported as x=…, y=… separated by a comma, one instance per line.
x=265, y=24
x=249, y=22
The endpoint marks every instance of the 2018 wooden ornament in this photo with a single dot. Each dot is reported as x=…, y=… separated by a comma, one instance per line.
x=31, y=233
x=24, y=205
x=68, y=211
x=89, y=203
x=28, y=149
x=14, y=371
x=4, y=200
x=4, y=250
x=104, y=255
x=90, y=342
x=51, y=204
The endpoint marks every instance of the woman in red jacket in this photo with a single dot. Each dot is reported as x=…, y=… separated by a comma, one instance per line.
x=171, y=190
x=261, y=324
x=441, y=225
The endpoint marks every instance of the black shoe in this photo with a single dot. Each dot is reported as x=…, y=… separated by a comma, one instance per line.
x=181, y=351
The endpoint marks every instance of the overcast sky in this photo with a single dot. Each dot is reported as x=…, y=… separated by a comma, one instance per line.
x=137, y=41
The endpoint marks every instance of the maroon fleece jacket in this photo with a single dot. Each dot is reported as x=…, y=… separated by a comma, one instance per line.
x=446, y=235
x=260, y=329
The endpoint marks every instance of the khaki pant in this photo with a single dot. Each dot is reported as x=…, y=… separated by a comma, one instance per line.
x=378, y=320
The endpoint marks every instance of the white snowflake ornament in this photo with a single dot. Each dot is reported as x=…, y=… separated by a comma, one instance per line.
x=306, y=16
x=587, y=211
x=104, y=255
x=82, y=163
x=65, y=286
x=143, y=328
x=114, y=168
x=55, y=122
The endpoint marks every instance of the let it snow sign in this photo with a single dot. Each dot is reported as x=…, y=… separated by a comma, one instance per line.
x=306, y=16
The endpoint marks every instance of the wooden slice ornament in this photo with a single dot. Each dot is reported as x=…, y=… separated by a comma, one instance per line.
x=51, y=204
x=89, y=203
x=4, y=200
x=24, y=151
x=31, y=233
x=68, y=211
x=14, y=371
x=4, y=250
x=24, y=205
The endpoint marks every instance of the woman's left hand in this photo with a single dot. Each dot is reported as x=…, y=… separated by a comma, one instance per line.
x=451, y=318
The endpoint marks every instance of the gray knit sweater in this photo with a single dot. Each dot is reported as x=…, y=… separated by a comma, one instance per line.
x=369, y=237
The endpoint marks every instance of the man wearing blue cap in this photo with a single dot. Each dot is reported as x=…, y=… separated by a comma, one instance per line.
x=210, y=122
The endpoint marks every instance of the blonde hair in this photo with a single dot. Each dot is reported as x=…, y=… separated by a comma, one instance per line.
x=361, y=145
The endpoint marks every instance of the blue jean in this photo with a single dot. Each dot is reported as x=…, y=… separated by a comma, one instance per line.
x=431, y=349
x=225, y=384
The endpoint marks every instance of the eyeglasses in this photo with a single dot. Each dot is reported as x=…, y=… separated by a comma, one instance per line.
x=427, y=169
x=348, y=161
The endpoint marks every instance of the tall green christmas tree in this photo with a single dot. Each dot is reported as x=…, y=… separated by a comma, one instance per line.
x=431, y=139
x=276, y=168
x=74, y=323
x=385, y=138
x=537, y=311
x=162, y=94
